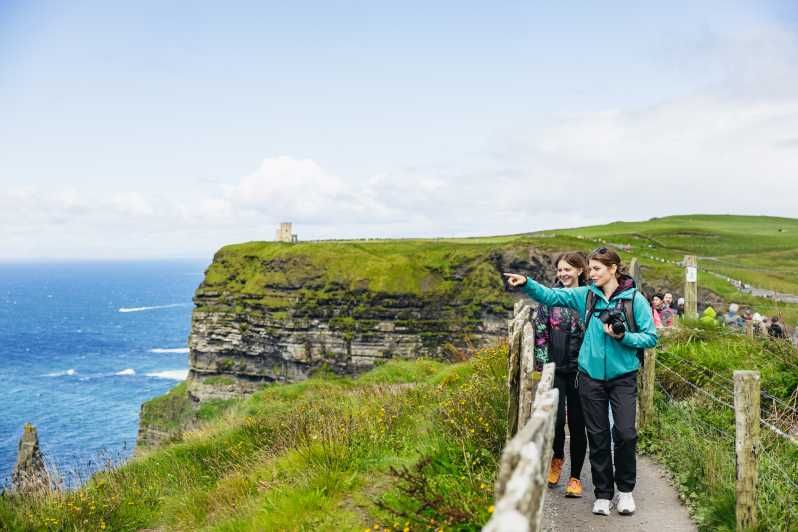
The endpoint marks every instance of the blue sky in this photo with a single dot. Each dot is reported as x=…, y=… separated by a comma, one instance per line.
x=159, y=129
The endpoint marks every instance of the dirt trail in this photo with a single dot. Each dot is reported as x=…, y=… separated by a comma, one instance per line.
x=658, y=506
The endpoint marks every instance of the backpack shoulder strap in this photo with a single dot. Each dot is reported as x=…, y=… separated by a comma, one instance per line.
x=628, y=307
x=590, y=306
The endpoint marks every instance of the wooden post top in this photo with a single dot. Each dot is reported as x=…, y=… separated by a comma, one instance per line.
x=742, y=374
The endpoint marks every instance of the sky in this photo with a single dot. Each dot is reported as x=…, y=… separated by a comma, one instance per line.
x=169, y=129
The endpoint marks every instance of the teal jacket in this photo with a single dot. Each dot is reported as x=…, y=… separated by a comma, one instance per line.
x=601, y=356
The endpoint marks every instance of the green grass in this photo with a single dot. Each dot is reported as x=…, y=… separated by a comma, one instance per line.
x=359, y=274
x=759, y=250
x=761, y=245
x=169, y=412
x=327, y=453
x=693, y=436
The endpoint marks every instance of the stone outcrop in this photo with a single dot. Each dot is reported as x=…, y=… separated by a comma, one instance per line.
x=259, y=320
x=30, y=474
x=293, y=325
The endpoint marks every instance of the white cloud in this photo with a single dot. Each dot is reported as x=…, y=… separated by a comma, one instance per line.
x=730, y=147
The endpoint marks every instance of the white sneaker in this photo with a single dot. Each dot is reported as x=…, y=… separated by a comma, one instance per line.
x=626, y=503
x=601, y=507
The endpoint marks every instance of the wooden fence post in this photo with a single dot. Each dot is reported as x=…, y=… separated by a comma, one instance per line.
x=690, y=287
x=646, y=392
x=514, y=370
x=746, y=445
x=529, y=377
x=634, y=271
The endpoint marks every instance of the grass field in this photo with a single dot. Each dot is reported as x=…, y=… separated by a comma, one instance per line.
x=413, y=445
x=759, y=250
x=693, y=433
x=410, y=445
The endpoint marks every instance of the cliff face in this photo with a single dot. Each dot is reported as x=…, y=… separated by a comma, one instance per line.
x=270, y=312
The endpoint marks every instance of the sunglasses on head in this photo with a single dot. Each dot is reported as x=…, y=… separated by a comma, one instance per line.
x=600, y=251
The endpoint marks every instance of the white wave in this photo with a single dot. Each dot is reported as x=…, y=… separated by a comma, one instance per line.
x=124, y=372
x=174, y=374
x=70, y=372
x=156, y=307
x=169, y=350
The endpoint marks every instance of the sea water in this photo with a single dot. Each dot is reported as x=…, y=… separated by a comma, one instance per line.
x=82, y=345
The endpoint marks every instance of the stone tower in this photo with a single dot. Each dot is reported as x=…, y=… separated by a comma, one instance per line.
x=284, y=233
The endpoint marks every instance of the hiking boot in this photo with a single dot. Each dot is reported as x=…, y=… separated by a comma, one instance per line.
x=626, y=503
x=601, y=507
x=574, y=488
x=555, y=471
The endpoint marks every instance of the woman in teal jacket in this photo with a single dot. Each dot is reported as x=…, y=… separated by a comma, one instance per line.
x=608, y=364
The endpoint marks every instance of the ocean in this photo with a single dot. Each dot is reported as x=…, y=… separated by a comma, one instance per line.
x=82, y=345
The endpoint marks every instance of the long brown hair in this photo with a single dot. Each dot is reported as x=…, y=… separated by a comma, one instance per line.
x=607, y=257
x=577, y=260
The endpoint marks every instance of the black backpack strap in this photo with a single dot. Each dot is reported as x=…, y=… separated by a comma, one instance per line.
x=590, y=306
x=629, y=310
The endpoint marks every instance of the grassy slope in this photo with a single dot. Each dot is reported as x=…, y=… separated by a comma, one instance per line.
x=749, y=248
x=309, y=456
x=693, y=435
x=416, y=267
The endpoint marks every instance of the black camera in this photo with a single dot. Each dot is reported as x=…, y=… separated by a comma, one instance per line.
x=615, y=319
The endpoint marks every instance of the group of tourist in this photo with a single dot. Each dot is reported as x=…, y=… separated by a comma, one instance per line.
x=594, y=325
x=774, y=327
x=666, y=313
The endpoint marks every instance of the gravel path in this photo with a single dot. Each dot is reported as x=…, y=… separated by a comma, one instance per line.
x=658, y=506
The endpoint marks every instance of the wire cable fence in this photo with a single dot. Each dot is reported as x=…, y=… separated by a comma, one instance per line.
x=777, y=415
x=703, y=408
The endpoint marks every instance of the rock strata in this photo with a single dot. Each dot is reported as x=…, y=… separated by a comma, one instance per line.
x=298, y=318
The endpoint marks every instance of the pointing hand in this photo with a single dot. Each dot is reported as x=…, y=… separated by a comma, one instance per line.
x=515, y=279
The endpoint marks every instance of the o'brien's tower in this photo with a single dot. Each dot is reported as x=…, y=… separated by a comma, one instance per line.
x=284, y=233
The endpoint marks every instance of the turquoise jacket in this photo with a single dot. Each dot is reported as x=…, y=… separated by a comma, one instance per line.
x=601, y=356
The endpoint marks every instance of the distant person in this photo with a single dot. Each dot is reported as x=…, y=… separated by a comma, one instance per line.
x=608, y=363
x=667, y=313
x=709, y=317
x=656, y=304
x=759, y=324
x=732, y=319
x=775, y=330
x=680, y=307
x=558, y=338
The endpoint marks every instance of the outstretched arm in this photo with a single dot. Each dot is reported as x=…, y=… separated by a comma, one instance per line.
x=551, y=297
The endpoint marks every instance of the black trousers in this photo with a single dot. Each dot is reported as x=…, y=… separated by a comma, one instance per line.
x=620, y=394
x=569, y=393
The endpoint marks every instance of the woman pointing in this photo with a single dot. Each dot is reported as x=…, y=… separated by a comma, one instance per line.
x=618, y=324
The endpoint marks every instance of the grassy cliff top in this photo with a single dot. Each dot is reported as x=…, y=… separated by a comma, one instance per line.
x=759, y=250
x=415, y=267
